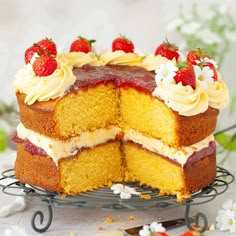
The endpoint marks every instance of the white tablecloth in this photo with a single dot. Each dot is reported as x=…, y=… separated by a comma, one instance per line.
x=80, y=221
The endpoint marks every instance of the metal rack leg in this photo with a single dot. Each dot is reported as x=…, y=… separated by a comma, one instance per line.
x=41, y=219
x=195, y=219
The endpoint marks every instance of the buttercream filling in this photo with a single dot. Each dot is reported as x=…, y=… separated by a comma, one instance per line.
x=58, y=149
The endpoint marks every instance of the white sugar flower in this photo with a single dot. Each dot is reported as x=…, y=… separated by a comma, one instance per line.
x=166, y=72
x=204, y=76
x=124, y=191
x=154, y=227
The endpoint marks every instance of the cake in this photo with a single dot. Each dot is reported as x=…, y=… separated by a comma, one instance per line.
x=89, y=119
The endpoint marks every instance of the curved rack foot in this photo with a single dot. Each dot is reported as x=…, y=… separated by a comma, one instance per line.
x=195, y=220
x=41, y=219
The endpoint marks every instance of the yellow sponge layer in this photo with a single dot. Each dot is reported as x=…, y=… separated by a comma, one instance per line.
x=147, y=115
x=154, y=170
x=86, y=110
x=92, y=168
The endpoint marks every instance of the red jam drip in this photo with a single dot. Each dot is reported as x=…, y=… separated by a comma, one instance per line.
x=29, y=147
x=121, y=76
x=196, y=156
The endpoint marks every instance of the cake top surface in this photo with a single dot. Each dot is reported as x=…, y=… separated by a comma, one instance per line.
x=187, y=84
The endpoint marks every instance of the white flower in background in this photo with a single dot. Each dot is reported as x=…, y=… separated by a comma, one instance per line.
x=124, y=191
x=208, y=37
x=231, y=36
x=190, y=28
x=166, y=72
x=154, y=227
x=206, y=59
x=226, y=218
x=204, y=76
x=176, y=23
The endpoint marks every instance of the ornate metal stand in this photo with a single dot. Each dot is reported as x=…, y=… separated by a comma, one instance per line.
x=105, y=199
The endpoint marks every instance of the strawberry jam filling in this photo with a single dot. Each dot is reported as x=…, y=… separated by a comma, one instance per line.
x=30, y=147
x=121, y=76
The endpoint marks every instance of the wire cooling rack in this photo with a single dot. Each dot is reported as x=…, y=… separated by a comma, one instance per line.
x=105, y=199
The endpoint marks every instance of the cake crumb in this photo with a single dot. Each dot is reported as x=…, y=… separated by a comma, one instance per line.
x=109, y=220
x=131, y=218
x=72, y=233
x=145, y=196
x=100, y=228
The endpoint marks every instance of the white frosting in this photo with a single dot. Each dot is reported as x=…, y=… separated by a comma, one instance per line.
x=179, y=155
x=58, y=148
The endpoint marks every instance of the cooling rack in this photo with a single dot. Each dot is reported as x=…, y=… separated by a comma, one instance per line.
x=105, y=199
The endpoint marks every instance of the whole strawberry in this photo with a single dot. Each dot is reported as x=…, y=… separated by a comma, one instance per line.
x=48, y=46
x=191, y=233
x=168, y=50
x=185, y=74
x=44, y=65
x=82, y=45
x=195, y=55
x=123, y=43
x=30, y=52
x=213, y=68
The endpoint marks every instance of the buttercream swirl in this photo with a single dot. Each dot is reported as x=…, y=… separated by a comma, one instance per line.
x=218, y=95
x=120, y=58
x=46, y=87
x=183, y=99
x=152, y=62
x=78, y=59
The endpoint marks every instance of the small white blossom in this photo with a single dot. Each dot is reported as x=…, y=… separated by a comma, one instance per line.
x=226, y=217
x=204, y=76
x=226, y=221
x=166, y=72
x=190, y=28
x=154, y=227
x=124, y=191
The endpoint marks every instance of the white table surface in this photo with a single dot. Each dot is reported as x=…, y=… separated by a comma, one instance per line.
x=79, y=221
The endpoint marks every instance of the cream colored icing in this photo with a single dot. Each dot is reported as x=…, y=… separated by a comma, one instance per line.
x=44, y=88
x=120, y=58
x=218, y=95
x=179, y=155
x=58, y=148
x=152, y=62
x=183, y=99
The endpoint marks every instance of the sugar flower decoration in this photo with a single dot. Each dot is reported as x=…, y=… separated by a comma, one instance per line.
x=204, y=76
x=166, y=72
x=153, y=227
x=124, y=191
x=226, y=218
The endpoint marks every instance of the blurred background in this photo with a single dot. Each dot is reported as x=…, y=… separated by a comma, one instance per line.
x=146, y=22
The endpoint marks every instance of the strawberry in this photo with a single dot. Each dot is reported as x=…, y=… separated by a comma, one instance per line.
x=168, y=50
x=185, y=74
x=196, y=54
x=48, y=46
x=29, y=53
x=44, y=65
x=191, y=233
x=82, y=45
x=122, y=43
x=212, y=67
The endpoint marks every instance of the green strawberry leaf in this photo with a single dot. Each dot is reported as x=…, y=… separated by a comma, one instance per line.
x=228, y=141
